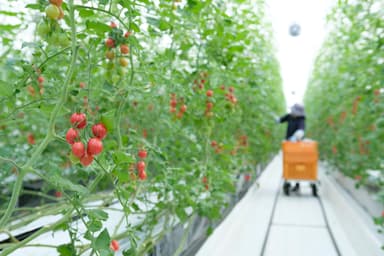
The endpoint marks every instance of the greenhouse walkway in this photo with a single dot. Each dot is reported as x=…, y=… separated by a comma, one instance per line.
x=267, y=222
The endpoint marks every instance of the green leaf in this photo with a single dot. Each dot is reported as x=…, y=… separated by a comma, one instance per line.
x=214, y=213
x=30, y=45
x=102, y=241
x=209, y=231
x=106, y=252
x=66, y=250
x=180, y=212
x=97, y=214
x=130, y=252
x=88, y=235
x=94, y=225
x=108, y=119
x=153, y=21
x=84, y=13
x=163, y=25
x=8, y=13
x=122, y=174
x=33, y=6
x=5, y=89
x=66, y=184
x=122, y=157
x=124, y=4
x=104, y=2
x=99, y=27
x=134, y=27
x=8, y=27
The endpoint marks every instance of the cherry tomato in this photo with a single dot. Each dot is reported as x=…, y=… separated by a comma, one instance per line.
x=79, y=120
x=40, y=79
x=110, y=55
x=52, y=11
x=123, y=62
x=71, y=135
x=142, y=153
x=110, y=43
x=127, y=34
x=99, y=130
x=114, y=245
x=56, y=2
x=124, y=49
x=58, y=194
x=142, y=175
x=86, y=160
x=113, y=25
x=95, y=146
x=173, y=103
x=183, y=108
x=140, y=166
x=31, y=139
x=78, y=149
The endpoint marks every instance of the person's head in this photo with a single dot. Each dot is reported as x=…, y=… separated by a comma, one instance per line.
x=297, y=110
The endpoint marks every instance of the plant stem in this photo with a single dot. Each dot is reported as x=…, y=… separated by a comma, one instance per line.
x=4, y=159
x=45, y=61
x=43, y=230
x=125, y=98
x=51, y=126
x=9, y=234
x=184, y=238
x=101, y=10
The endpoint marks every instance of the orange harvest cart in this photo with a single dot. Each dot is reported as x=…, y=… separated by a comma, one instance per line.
x=300, y=163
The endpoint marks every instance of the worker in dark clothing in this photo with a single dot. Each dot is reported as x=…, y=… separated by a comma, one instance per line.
x=295, y=127
x=296, y=123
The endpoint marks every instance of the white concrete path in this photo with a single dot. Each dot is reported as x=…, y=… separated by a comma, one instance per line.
x=297, y=227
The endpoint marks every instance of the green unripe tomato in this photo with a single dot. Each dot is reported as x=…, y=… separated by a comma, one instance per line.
x=52, y=11
x=121, y=71
x=63, y=40
x=115, y=78
x=110, y=65
x=54, y=39
x=43, y=29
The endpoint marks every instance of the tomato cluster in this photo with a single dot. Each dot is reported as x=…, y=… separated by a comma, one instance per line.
x=173, y=103
x=209, y=104
x=39, y=81
x=230, y=96
x=94, y=145
x=49, y=28
x=217, y=147
x=142, y=154
x=199, y=83
x=116, y=46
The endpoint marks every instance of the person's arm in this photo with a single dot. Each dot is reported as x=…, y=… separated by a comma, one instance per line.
x=283, y=119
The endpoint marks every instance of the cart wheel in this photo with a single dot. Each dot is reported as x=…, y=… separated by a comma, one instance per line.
x=286, y=188
x=314, y=189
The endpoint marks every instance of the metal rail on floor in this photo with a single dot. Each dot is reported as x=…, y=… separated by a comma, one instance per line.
x=324, y=214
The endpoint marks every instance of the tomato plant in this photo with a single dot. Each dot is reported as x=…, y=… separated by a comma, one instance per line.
x=345, y=95
x=158, y=77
